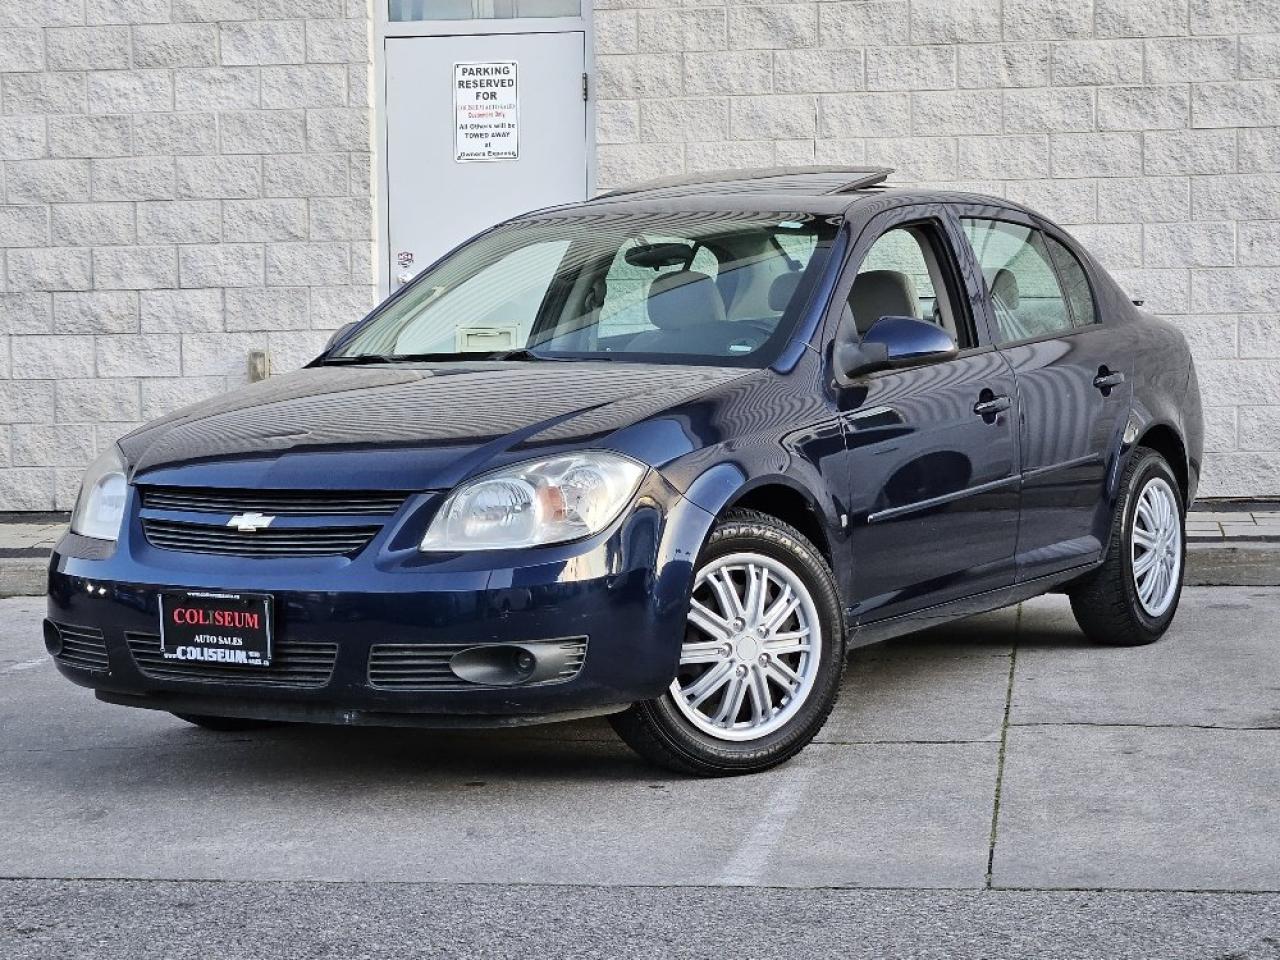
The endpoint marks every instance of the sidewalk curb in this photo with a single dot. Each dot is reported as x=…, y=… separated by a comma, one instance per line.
x=1241, y=564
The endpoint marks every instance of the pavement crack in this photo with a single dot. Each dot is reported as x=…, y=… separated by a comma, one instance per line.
x=1004, y=743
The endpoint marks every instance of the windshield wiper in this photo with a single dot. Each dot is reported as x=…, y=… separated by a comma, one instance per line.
x=389, y=358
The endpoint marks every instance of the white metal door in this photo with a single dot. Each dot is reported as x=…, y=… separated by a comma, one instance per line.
x=456, y=165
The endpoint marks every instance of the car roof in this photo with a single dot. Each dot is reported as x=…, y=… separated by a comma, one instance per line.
x=821, y=190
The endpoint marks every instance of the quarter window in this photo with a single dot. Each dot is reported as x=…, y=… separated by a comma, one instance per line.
x=1074, y=282
x=1021, y=279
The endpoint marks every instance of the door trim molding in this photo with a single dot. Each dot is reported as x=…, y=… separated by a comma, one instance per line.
x=945, y=498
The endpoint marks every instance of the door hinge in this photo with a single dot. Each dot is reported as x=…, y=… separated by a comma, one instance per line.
x=586, y=87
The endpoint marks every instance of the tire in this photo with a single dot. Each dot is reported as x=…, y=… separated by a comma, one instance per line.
x=1111, y=604
x=226, y=724
x=774, y=716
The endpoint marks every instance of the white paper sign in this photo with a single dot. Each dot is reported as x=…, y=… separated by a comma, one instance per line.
x=486, y=100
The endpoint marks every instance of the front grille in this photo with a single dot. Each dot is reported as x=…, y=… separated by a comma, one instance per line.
x=294, y=663
x=324, y=503
x=412, y=666
x=83, y=648
x=282, y=542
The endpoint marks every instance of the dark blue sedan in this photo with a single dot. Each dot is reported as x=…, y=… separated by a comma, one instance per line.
x=665, y=455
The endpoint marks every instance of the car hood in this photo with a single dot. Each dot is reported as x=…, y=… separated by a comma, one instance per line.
x=420, y=427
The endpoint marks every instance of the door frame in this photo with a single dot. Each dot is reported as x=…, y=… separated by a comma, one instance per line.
x=384, y=30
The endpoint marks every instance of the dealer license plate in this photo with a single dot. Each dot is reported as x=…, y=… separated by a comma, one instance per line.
x=223, y=629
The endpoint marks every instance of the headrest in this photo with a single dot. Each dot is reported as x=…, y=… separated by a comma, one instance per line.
x=683, y=299
x=1004, y=287
x=782, y=290
x=882, y=293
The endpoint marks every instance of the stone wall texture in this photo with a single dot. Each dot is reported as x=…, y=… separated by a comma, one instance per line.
x=1150, y=128
x=184, y=181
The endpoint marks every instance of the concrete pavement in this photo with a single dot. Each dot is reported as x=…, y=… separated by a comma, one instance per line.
x=983, y=773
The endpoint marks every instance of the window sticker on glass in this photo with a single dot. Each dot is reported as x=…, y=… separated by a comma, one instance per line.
x=486, y=99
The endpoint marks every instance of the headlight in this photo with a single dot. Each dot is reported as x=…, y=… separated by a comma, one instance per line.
x=535, y=503
x=100, y=506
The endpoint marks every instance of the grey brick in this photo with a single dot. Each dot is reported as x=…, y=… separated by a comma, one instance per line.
x=97, y=400
x=1143, y=108
x=1260, y=149
x=175, y=45
x=220, y=354
x=26, y=489
x=134, y=178
x=98, y=312
x=164, y=395
x=268, y=308
x=320, y=175
x=720, y=74
x=955, y=112
x=1067, y=201
x=181, y=311
x=864, y=115
x=134, y=268
x=149, y=355
x=773, y=117
x=23, y=138
x=1236, y=290
x=1048, y=111
x=799, y=71
x=1047, y=20
x=315, y=85
x=1117, y=246
x=1018, y=157
x=1189, y=152
x=53, y=358
x=219, y=177
x=221, y=265
x=307, y=264
x=703, y=118
x=958, y=21
x=915, y=158
x=87, y=48
x=180, y=221
x=660, y=31
x=27, y=401
x=641, y=75
x=295, y=349
x=337, y=41
x=175, y=134
x=127, y=11
x=617, y=121
x=911, y=68
x=1249, y=196
x=22, y=49
x=99, y=136
x=263, y=42
x=1144, y=199
x=1259, y=243
x=216, y=88
x=621, y=164
x=856, y=23
x=615, y=31
x=766, y=26
x=263, y=131
x=1260, y=56
x=42, y=268
x=1259, y=336
x=1211, y=244
x=214, y=10
x=48, y=181
x=302, y=9
x=25, y=313
x=55, y=444
x=130, y=91
x=1149, y=18
x=1096, y=154
x=1235, y=16
x=1191, y=58
x=335, y=129
x=1165, y=291
x=1004, y=65
x=331, y=307
x=24, y=226
x=255, y=221
x=1097, y=62
x=1251, y=103
x=92, y=224
x=341, y=218
x=44, y=93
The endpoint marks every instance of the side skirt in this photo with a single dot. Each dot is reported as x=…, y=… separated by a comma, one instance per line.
x=878, y=630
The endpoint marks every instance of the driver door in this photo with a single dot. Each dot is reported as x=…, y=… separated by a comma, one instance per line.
x=931, y=449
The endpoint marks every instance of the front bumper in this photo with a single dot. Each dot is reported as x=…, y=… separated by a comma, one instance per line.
x=624, y=591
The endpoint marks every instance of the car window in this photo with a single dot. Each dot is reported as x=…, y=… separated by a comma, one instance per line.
x=715, y=288
x=1021, y=279
x=901, y=275
x=1074, y=281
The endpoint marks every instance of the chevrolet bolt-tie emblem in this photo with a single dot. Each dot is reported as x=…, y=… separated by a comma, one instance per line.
x=250, y=522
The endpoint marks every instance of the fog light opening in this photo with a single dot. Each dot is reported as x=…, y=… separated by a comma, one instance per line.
x=52, y=638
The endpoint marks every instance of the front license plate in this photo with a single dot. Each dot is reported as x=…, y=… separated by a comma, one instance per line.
x=216, y=628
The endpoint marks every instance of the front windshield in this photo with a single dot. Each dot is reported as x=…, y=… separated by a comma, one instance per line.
x=720, y=289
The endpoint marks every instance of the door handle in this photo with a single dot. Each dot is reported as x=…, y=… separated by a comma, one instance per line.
x=1106, y=380
x=989, y=405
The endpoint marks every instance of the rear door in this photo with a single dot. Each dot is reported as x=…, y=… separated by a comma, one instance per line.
x=932, y=477
x=1072, y=384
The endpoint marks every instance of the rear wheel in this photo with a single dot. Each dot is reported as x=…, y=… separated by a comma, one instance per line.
x=761, y=661
x=225, y=724
x=1131, y=599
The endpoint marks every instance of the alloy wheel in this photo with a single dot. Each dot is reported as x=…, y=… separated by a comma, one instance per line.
x=1156, y=547
x=752, y=648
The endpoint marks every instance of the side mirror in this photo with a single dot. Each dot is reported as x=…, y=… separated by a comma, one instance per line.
x=338, y=334
x=895, y=342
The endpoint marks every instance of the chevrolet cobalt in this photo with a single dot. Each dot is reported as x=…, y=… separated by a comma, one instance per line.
x=664, y=456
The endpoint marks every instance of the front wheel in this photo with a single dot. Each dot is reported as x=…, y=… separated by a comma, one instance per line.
x=1131, y=599
x=761, y=661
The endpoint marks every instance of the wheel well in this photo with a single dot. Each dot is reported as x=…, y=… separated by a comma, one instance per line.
x=1166, y=442
x=790, y=506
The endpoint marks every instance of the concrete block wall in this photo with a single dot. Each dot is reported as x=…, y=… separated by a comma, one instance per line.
x=182, y=182
x=1151, y=128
